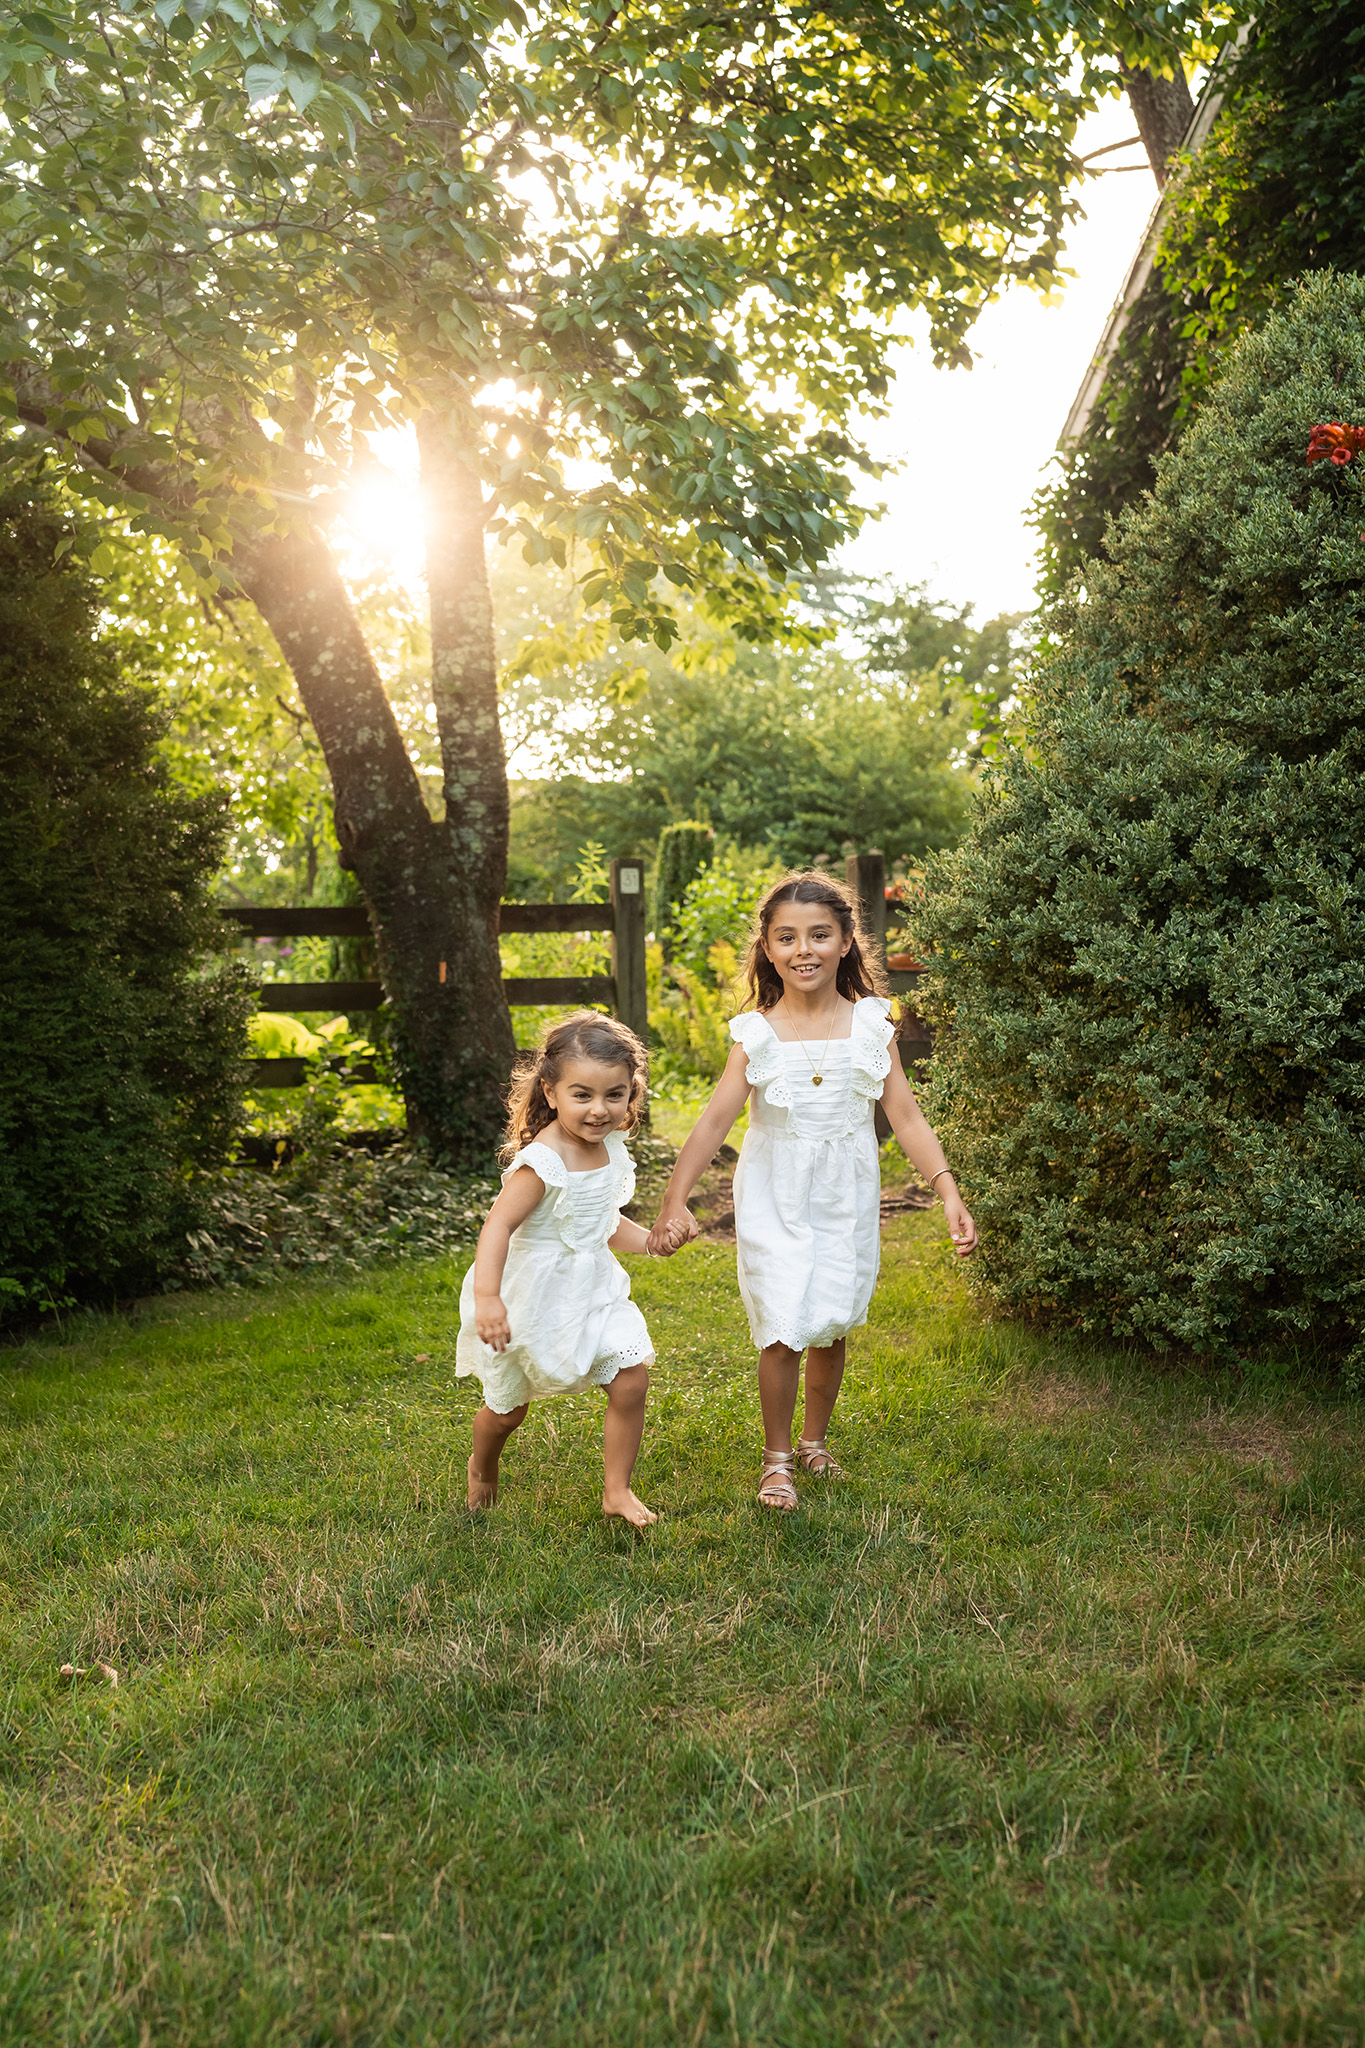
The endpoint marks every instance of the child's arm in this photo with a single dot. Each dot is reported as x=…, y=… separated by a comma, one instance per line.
x=922, y=1149
x=628, y=1237
x=518, y=1198
x=676, y=1222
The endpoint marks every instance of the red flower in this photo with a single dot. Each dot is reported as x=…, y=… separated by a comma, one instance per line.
x=1334, y=441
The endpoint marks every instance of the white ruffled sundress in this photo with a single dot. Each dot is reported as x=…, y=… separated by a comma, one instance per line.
x=567, y=1300
x=808, y=1183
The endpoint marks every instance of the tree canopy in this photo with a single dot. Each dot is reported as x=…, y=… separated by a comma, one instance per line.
x=629, y=274
x=794, y=753
x=234, y=236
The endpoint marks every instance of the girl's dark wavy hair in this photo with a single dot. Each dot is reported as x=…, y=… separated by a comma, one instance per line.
x=587, y=1035
x=859, y=974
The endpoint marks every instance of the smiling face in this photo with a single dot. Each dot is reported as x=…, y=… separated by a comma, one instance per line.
x=590, y=1098
x=806, y=942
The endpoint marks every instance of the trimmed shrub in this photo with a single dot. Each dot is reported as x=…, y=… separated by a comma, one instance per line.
x=684, y=850
x=1152, y=947
x=123, y=1056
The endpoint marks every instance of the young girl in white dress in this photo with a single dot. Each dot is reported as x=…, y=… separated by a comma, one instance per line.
x=813, y=1056
x=545, y=1307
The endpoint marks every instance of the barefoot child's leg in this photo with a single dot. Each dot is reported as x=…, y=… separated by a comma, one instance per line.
x=491, y=1432
x=621, y=1434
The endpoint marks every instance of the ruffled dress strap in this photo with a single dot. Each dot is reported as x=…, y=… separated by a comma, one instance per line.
x=869, y=1059
x=544, y=1160
x=765, y=1068
x=619, y=1155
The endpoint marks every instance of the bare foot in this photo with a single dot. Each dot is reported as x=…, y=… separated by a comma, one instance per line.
x=483, y=1493
x=626, y=1507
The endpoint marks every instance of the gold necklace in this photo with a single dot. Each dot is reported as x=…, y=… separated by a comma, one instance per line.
x=816, y=1077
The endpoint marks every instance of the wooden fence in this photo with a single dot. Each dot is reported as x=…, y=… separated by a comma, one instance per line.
x=623, y=990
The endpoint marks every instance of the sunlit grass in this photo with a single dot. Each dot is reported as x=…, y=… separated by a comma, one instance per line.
x=1044, y=1727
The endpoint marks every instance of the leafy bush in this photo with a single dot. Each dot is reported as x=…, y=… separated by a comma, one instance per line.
x=684, y=850
x=336, y=1210
x=1152, y=947
x=1278, y=188
x=123, y=1056
x=328, y=1101
x=331, y=1211
x=692, y=1000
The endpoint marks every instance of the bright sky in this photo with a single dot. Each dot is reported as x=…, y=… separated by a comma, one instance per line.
x=974, y=442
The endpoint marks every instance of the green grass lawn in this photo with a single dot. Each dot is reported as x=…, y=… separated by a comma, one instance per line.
x=1047, y=1726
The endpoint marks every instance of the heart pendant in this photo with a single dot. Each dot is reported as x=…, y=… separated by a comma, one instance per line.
x=816, y=1079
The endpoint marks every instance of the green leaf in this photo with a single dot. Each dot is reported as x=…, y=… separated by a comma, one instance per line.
x=303, y=86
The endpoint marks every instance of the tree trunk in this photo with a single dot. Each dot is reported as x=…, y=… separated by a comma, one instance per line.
x=1163, y=108
x=452, y=1036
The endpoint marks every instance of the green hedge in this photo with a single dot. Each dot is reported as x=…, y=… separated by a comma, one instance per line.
x=684, y=850
x=1152, y=947
x=122, y=1062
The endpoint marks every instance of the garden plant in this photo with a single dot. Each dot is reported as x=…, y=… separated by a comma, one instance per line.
x=124, y=1035
x=1150, y=951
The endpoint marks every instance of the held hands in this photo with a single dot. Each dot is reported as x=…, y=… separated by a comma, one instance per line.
x=490, y=1321
x=674, y=1229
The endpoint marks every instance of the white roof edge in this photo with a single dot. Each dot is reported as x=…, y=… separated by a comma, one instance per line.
x=1202, y=119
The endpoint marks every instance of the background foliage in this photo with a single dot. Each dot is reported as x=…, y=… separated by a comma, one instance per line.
x=684, y=850
x=122, y=1064
x=1152, y=946
x=235, y=240
x=865, y=738
x=1277, y=189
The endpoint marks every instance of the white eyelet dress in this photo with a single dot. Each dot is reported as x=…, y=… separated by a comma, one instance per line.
x=567, y=1300
x=808, y=1183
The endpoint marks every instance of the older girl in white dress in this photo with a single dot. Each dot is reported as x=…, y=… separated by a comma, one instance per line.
x=813, y=1057
x=545, y=1307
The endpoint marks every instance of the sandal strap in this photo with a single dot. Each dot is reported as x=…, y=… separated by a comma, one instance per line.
x=809, y=1448
x=777, y=1474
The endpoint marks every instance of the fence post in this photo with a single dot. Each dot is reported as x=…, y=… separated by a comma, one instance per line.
x=628, y=944
x=865, y=874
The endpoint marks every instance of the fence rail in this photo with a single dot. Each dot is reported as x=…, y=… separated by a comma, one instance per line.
x=623, y=990
x=352, y=921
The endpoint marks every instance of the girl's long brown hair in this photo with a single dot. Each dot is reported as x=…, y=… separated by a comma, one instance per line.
x=858, y=975
x=587, y=1035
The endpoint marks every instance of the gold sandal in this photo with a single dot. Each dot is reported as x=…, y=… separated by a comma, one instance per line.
x=776, y=1488
x=815, y=1456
